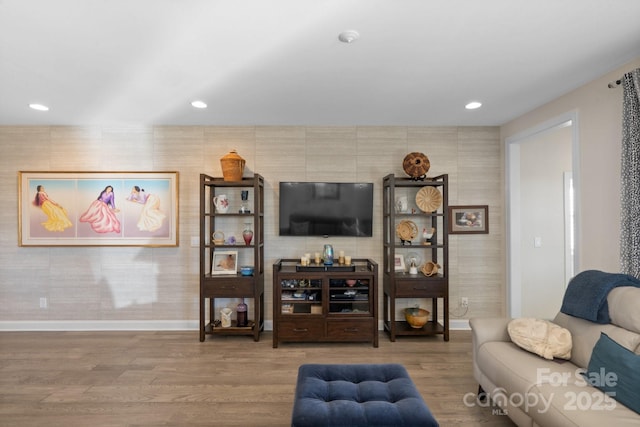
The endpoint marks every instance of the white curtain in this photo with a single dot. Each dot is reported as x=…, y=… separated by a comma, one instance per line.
x=630, y=179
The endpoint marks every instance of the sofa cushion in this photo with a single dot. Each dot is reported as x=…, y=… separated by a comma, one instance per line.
x=585, y=334
x=616, y=371
x=542, y=337
x=623, y=307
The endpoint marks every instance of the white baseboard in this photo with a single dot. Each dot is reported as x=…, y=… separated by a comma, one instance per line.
x=459, y=325
x=99, y=325
x=139, y=325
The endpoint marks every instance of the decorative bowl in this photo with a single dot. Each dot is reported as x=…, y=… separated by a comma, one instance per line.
x=428, y=199
x=218, y=238
x=416, y=317
x=430, y=268
x=246, y=270
x=351, y=282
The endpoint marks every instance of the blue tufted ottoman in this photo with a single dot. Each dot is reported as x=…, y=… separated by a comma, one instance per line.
x=358, y=395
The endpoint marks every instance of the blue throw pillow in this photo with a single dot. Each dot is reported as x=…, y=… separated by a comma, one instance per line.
x=615, y=370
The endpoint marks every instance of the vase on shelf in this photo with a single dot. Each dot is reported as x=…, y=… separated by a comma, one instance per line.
x=225, y=317
x=327, y=254
x=241, y=314
x=247, y=233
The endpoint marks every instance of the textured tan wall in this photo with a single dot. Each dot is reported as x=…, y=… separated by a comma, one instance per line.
x=161, y=284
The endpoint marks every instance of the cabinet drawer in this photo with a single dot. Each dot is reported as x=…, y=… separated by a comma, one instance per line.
x=420, y=288
x=350, y=330
x=302, y=329
x=231, y=287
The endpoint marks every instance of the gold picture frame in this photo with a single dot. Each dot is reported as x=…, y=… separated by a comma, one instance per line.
x=98, y=209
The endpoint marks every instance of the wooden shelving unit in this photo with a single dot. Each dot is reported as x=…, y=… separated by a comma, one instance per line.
x=401, y=285
x=234, y=285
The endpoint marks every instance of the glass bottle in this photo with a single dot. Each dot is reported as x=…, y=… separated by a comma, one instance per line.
x=247, y=234
x=241, y=314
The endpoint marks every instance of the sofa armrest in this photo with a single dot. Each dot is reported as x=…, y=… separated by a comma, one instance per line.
x=485, y=329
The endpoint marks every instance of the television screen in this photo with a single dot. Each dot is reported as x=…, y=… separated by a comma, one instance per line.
x=326, y=209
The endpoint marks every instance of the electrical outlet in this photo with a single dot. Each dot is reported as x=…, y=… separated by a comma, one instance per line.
x=464, y=302
x=43, y=302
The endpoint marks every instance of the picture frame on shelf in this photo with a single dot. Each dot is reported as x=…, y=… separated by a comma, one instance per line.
x=224, y=262
x=398, y=262
x=468, y=219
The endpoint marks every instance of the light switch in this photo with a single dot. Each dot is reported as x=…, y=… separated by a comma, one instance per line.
x=537, y=242
x=195, y=241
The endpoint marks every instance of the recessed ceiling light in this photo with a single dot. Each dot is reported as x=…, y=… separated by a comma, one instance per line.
x=473, y=105
x=39, y=107
x=199, y=104
x=349, y=36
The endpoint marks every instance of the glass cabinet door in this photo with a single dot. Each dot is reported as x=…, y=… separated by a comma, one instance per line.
x=349, y=296
x=301, y=295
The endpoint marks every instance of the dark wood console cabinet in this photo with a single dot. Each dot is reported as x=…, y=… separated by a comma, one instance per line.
x=325, y=304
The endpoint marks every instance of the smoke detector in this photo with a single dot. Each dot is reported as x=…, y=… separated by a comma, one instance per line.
x=348, y=36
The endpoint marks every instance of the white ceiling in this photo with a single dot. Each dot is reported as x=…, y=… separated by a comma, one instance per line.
x=279, y=62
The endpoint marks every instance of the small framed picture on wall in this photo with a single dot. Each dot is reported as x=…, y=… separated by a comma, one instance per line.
x=469, y=219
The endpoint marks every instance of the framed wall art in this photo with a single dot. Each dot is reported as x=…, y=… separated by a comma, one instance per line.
x=469, y=219
x=98, y=208
x=224, y=262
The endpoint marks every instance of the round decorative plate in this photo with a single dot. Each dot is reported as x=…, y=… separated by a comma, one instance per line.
x=416, y=165
x=407, y=230
x=428, y=199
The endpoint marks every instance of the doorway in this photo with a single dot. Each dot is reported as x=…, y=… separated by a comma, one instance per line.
x=542, y=189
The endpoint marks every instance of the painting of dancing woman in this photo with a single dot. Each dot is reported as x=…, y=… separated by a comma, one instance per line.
x=57, y=218
x=151, y=217
x=98, y=208
x=101, y=214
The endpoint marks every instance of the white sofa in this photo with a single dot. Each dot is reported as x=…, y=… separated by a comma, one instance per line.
x=534, y=391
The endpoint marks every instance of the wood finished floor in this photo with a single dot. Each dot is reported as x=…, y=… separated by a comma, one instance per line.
x=116, y=379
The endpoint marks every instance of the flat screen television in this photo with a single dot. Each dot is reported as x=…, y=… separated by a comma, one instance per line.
x=326, y=209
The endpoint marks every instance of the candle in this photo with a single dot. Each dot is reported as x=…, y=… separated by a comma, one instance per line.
x=347, y=259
